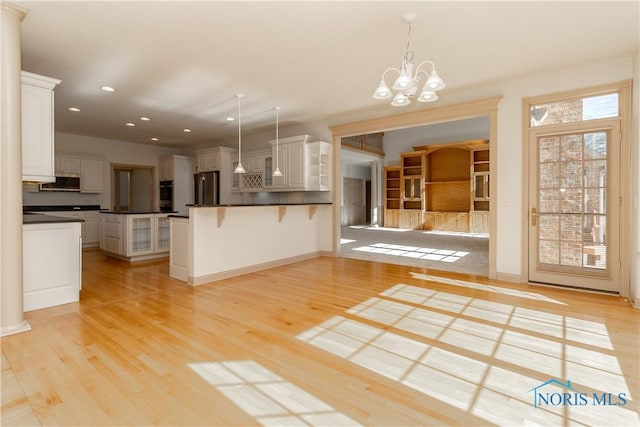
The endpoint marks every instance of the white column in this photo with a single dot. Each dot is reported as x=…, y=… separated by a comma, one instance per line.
x=11, y=172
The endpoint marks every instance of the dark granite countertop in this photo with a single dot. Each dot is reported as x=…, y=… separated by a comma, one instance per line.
x=57, y=208
x=46, y=219
x=106, y=211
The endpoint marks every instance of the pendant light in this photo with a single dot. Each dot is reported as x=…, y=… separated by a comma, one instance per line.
x=239, y=168
x=277, y=172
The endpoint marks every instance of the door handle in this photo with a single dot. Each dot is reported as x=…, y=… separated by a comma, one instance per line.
x=534, y=217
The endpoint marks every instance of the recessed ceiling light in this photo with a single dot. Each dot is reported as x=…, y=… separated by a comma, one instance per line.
x=130, y=124
x=229, y=119
x=154, y=139
x=75, y=109
x=107, y=88
x=187, y=130
x=145, y=119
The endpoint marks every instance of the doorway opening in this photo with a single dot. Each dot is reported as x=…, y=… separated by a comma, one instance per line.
x=457, y=240
x=133, y=188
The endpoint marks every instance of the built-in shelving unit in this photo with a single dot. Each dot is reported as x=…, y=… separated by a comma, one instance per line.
x=391, y=196
x=440, y=187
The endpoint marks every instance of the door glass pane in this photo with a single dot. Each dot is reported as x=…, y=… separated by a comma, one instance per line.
x=571, y=203
x=575, y=110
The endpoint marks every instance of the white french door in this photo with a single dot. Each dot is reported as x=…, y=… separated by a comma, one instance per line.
x=574, y=205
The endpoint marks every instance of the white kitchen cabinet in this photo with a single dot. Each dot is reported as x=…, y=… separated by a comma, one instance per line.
x=67, y=165
x=304, y=162
x=90, y=228
x=91, y=176
x=280, y=161
x=162, y=237
x=38, y=127
x=166, y=169
x=296, y=161
x=318, y=166
x=255, y=177
x=113, y=238
x=135, y=237
x=89, y=169
x=207, y=160
x=52, y=264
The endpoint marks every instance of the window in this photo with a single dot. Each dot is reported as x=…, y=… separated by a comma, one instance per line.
x=575, y=110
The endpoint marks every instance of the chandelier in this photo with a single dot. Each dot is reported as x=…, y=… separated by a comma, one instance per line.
x=407, y=83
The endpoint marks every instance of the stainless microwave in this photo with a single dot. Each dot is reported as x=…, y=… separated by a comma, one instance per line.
x=62, y=183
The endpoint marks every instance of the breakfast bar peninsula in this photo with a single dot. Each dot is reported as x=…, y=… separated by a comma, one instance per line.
x=219, y=242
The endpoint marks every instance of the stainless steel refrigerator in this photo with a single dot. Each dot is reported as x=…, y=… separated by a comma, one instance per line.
x=206, y=188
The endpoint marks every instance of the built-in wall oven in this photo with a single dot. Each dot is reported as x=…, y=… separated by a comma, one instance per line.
x=166, y=196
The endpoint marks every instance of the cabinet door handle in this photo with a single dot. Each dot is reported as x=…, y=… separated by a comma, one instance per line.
x=534, y=217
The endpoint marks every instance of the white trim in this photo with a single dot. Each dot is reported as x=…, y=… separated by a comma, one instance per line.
x=15, y=329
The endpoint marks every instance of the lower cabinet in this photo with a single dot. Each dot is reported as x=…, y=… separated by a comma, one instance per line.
x=90, y=228
x=52, y=264
x=135, y=237
x=474, y=221
x=479, y=222
x=446, y=221
x=411, y=219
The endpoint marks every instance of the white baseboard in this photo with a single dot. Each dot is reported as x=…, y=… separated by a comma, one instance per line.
x=15, y=329
x=208, y=278
x=636, y=303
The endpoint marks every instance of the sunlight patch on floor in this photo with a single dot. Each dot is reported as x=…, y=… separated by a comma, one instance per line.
x=268, y=398
x=450, y=346
x=345, y=241
x=432, y=254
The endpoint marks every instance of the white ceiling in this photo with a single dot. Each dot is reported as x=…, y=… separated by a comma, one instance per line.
x=180, y=63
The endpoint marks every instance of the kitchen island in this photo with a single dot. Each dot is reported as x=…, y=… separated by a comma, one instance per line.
x=135, y=236
x=52, y=260
x=215, y=243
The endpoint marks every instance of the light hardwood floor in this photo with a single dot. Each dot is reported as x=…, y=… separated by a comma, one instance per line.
x=327, y=341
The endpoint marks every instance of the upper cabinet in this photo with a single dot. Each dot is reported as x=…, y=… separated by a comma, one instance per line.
x=90, y=169
x=37, y=127
x=208, y=160
x=91, y=173
x=304, y=162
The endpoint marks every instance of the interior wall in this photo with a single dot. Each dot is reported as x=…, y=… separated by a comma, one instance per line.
x=634, y=255
x=402, y=140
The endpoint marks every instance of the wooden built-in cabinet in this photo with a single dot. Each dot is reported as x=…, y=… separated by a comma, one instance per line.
x=440, y=187
x=391, y=196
